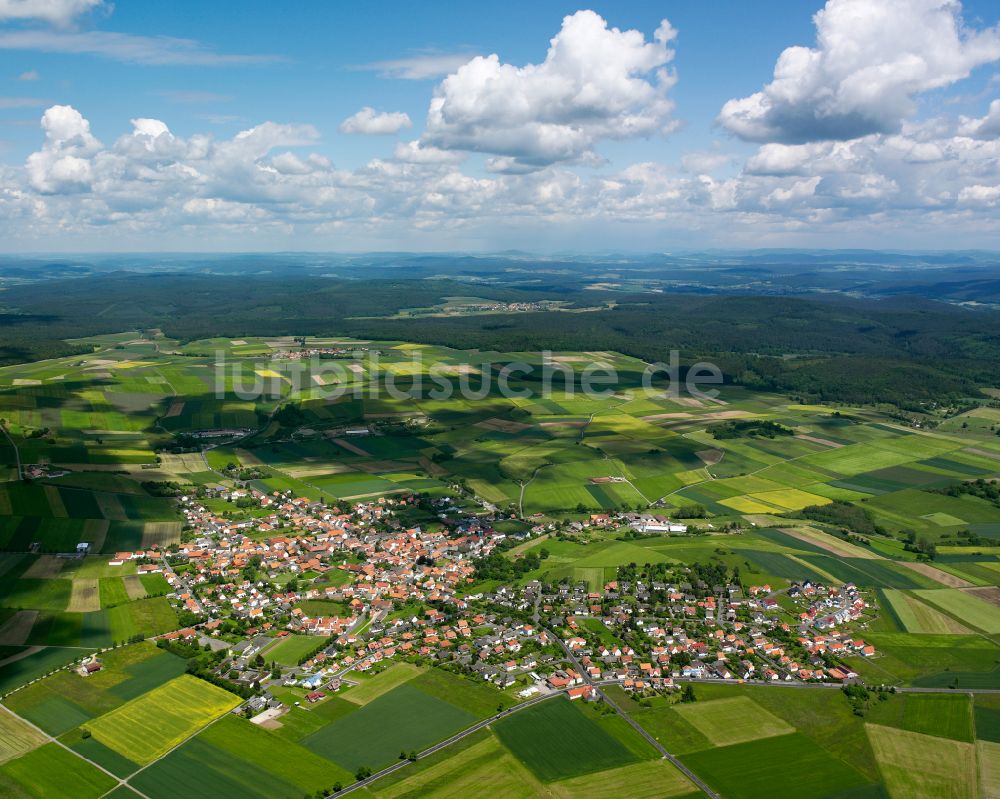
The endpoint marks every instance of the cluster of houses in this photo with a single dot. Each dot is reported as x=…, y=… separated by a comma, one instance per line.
x=372, y=589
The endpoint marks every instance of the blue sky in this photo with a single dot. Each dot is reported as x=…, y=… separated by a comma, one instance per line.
x=648, y=126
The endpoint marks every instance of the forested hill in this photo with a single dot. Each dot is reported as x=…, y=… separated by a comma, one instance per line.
x=835, y=348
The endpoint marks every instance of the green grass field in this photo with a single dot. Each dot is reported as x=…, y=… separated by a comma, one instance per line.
x=761, y=769
x=556, y=741
x=969, y=609
x=289, y=650
x=381, y=683
x=731, y=721
x=403, y=719
x=51, y=771
x=919, y=766
x=234, y=757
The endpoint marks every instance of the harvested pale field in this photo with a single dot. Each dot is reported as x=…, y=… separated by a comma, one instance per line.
x=161, y=534
x=832, y=545
x=176, y=409
x=86, y=596
x=46, y=567
x=984, y=453
x=733, y=720
x=26, y=381
x=111, y=507
x=717, y=415
x=502, y=425
x=15, y=631
x=687, y=402
x=351, y=447
x=316, y=471
x=990, y=593
x=936, y=574
x=134, y=587
x=17, y=737
x=710, y=457
x=649, y=779
x=55, y=502
x=94, y=532
x=917, y=766
x=821, y=441
x=656, y=417
x=989, y=769
x=247, y=458
x=183, y=462
x=378, y=493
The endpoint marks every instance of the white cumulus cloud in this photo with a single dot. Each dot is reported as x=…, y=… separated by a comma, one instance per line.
x=871, y=59
x=987, y=127
x=370, y=122
x=56, y=12
x=596, y=82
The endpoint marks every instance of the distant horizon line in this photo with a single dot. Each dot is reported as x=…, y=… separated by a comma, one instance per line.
x=499, y=252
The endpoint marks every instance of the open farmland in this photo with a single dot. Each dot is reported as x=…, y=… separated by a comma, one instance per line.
x=759, y=769
x=381, y=683
x=16, y=737
x=919, y=766
x=730, y=721
x=776, y=511
x=235, y=757
x=289, y=650
x=405, y=719
x=556, y=740
x=51, y=771
x=150, y=725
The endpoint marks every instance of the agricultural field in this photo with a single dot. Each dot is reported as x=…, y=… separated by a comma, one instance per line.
x=381, y=683
x=556, y=740
x=290, y=649
x=51, y=771
x=766, y=506
x=234, y=757
x=373, y=735
x=148, y=726
x=732, y=721
x=917, y=766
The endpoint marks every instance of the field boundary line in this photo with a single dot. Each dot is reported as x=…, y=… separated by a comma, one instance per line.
x=118, y=780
